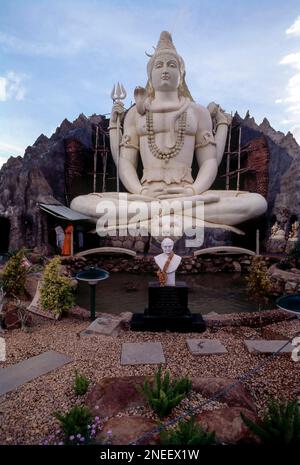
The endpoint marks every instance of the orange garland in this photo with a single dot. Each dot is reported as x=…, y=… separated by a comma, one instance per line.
x=162, y=274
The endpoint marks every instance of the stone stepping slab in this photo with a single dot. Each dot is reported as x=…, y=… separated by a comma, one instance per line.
x=20, y=373
x=206, y=347
x=107, y=325
x=260, y=346
x=142, y=353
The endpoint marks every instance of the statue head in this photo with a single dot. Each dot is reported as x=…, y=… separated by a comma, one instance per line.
x=167, y=245
x=166, y=55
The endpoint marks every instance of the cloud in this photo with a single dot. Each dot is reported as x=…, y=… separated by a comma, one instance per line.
x=11, y=87
x=14, y=149
x=9, y=150
x=68, y=46
x=292, y=94
x=80, y=30
x=292, y=59
x=294, y=29
x=291, y=99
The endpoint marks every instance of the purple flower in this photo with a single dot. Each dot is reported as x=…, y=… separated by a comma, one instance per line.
x=61, y=443
x=109, y=432
x=78, y=436
x=81, y=439
x=97, y=418
x=72, y=437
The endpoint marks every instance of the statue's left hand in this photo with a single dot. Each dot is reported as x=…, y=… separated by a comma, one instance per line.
x=184, y=191
x=188, y=192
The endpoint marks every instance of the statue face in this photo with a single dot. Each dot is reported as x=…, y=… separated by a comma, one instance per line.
x=167, y=245
x=165, y=73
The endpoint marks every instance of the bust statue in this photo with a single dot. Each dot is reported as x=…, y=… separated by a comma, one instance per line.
x=166, y=129
x=167, y=262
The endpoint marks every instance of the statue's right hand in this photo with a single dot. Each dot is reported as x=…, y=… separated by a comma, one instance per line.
x=117, y=110
x=152, y=191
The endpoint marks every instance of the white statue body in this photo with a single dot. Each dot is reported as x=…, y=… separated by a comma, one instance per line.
x=166, y=129
x=167, y=247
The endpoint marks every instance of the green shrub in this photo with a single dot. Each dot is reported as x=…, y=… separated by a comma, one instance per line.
x=294, y=255
x=81, y=384
x=14, y=274
x=187, y=433
x=56, y=292
x=258, y=281
x=280, y=424
x=76, y=421
x=259, y=285
x=164, y=395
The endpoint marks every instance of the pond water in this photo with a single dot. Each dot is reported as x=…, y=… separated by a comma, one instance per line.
x=209, y=292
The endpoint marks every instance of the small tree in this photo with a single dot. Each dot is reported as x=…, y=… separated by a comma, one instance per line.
x=14, y=274
x=56, y=291
x=259, y=283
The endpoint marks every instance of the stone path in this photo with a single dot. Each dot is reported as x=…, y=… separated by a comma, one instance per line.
x=152, y=352
x=142, y=353
x=261, y=346
x=20, y=373
x=206, y=347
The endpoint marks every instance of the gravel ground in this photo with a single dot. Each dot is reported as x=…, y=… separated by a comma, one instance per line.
x=26, y=414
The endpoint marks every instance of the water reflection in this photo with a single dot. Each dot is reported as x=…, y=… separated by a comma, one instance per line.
x=209, y=292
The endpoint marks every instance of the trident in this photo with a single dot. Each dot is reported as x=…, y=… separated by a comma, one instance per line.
x=118, y=94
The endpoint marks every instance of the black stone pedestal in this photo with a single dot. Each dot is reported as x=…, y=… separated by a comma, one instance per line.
x=168, y=310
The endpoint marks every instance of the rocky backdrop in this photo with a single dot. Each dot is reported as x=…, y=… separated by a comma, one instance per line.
x=54, y=170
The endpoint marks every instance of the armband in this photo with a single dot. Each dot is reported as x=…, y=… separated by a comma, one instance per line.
x=126, y=143
x=206, y=137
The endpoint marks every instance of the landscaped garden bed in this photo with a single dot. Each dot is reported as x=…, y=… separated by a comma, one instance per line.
x=27, y=413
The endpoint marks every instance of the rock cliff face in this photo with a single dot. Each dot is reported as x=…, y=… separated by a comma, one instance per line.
x=54, y=170
x=40, y=176
x=283, y=194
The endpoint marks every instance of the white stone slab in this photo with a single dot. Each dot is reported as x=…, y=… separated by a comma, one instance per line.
x=142, y=353
x=206, y=347
x=260, y=346
x=20, y=373
x=106, y=326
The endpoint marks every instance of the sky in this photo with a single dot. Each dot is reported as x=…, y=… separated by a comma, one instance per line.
x=60, y=58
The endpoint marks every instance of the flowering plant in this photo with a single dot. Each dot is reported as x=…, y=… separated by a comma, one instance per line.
x=78, y=427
